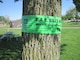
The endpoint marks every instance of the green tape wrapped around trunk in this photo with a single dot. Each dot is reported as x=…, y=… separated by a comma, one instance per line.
x=41, y=24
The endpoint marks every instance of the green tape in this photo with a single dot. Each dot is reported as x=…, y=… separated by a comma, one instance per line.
x=41, y=24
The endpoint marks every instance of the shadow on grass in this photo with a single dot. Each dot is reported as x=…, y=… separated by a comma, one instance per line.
x=62, y=48
x=11, y=50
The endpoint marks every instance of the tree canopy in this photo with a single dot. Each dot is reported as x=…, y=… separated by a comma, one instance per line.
x=71, y=13
x=77, y=4
x=4, y=19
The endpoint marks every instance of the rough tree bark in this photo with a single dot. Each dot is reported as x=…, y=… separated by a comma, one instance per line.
x=41, y=46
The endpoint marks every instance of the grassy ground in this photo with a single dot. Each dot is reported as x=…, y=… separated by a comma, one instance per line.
x=72, y=24
x=70, y=49
x=10, y=50
x=70, y=42
x=15, y=31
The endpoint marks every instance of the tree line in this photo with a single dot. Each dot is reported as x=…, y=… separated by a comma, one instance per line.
x=4, y=19
x=71, y=13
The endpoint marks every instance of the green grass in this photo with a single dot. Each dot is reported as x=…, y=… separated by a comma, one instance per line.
x=70, y=49
x=70, y=42
x=7, y=26
x=10, y=50
x=72, y=24
x=15, y=31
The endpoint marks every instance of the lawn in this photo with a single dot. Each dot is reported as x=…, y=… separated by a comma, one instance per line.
x=70, y=49
x=15, y=31
x=10, y=50
x=70, y=42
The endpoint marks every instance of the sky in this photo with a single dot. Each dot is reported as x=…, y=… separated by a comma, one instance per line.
x=13, y=10
x=66, y=5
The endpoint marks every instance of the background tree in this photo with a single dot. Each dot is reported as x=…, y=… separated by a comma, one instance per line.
x=77, y=4
x=71, y=13
x=1, y=1
x=4, y=19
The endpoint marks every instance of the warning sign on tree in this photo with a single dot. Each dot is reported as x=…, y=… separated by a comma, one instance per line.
x=41, y=24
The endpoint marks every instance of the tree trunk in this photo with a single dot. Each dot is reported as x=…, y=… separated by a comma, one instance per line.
x=41, y=46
